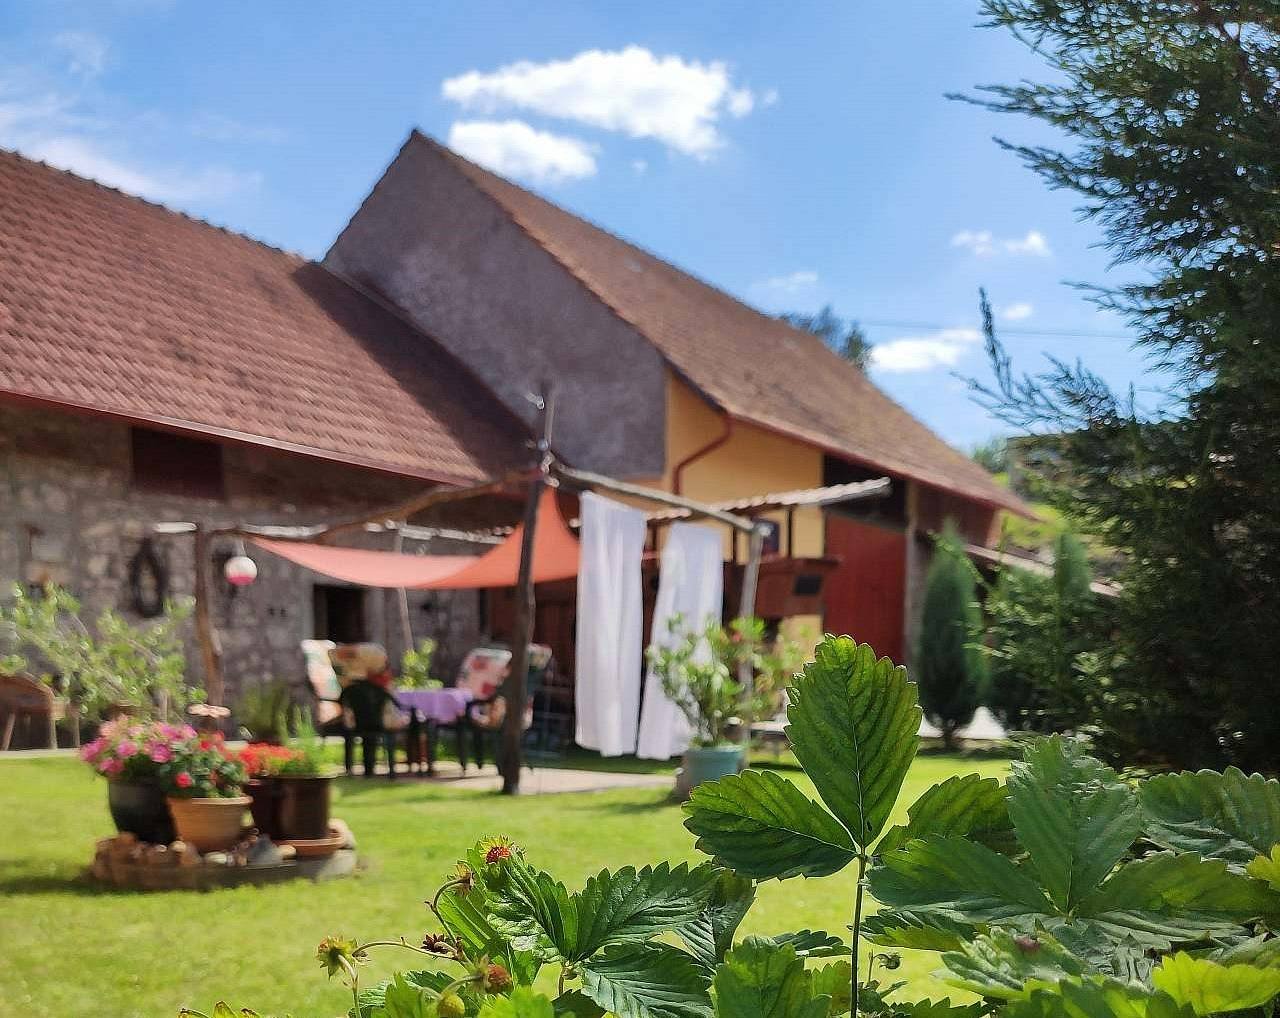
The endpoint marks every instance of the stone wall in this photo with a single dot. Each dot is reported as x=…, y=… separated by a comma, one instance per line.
x=69, y=514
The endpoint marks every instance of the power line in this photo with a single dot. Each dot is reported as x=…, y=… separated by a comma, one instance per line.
x=1000, y=330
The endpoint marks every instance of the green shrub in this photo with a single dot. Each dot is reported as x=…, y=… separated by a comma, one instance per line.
x=949, y=659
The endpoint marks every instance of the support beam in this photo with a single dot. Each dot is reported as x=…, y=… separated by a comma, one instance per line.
x=522, y=633
x=210, y=647
x=746, y=609
x=587, y=479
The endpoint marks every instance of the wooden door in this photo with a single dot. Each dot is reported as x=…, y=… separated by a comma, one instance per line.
x=864, y=596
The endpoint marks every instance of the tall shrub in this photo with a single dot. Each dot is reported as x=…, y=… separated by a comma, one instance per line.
x=950, y=665
x=1046, y=638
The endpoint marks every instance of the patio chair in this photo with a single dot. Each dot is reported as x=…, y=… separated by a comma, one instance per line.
x=482, y=672
x=322, y=680
x=487, y=716
x=23, y=696
x=365, y=709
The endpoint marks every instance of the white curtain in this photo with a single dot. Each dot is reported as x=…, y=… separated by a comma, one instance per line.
x=691, y=586
x=610, y=640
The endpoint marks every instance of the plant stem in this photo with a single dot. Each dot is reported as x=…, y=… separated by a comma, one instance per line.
x=857, y=926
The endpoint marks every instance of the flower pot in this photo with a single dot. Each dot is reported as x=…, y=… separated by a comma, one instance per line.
x=209, y=825
x=140, y=809
x=303, y=807
x=706, y=763
x=265, y=807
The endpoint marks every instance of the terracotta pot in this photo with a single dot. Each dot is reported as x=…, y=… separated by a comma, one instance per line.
x=140, y=809
x=209, y=825
x=303, y=811
x=265, y=807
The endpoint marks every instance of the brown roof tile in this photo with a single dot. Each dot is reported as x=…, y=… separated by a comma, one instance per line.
x=754, y=367
x=112, y=304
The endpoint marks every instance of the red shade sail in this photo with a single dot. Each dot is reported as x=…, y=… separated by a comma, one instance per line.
x=555, y=557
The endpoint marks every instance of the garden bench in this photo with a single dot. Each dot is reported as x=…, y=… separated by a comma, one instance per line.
x=23, y=696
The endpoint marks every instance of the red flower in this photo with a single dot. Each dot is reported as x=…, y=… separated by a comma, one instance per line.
x=183, y=780
x=497, y=854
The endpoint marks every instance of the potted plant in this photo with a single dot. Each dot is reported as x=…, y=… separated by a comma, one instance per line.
x=304, y=783
x=262, y=762
x=263, y=709
x=135, y=758
x=415, y=667
x=697, y=676
x=205, y=783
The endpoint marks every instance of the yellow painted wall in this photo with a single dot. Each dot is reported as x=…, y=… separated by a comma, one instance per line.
x=752, y=462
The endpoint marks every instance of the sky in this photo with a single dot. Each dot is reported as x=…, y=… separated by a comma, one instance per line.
x=796, y=156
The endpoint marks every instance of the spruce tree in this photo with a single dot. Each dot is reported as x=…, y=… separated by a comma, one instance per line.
x=949, y=666
x=1171, y=112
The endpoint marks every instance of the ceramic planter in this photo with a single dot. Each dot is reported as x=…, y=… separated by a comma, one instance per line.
x=265, y=807
x=706, y=763
x=140, y=809
x=302, y=809
x=209, y=825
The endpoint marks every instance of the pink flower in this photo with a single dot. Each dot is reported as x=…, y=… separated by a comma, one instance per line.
x=112, y=766
x=184, y=780
x=92, y=749
x=161, y=753
x=126, y=749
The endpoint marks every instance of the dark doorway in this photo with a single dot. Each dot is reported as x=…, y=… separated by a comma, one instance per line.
x=339, y=614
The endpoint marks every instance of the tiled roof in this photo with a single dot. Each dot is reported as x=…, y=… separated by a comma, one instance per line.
x=754, y=367
x=111, y=304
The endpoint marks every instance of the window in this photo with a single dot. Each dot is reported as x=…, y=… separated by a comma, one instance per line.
x=176, y=465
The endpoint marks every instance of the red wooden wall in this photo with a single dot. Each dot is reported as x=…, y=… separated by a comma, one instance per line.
x=864, y=596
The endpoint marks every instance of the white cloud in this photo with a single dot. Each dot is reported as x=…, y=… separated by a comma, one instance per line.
x=943, y=348
x=514, y=149
x=87, y=159
x=769, y=97
x=640, y=166
x=793, y=282
x=984, y=244
x=1017, y=312
x=86, y=53
x=675, y=101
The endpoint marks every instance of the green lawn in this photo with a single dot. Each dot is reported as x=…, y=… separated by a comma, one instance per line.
x=67, y=948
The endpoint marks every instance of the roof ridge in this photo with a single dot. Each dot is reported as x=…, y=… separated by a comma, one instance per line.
x=148, y=203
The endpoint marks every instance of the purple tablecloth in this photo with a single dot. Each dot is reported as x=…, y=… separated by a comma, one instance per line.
x=441, y=705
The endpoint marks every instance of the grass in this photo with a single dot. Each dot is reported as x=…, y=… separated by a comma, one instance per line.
x=68, y=948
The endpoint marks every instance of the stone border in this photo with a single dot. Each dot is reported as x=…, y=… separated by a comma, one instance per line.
x=148, y=877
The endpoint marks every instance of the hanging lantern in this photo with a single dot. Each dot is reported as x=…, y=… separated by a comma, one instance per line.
x=240, y=570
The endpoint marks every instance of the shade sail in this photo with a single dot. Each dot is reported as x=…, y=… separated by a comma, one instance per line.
x=555, y=557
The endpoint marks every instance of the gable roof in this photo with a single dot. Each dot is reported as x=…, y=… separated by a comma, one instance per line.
x=731, y=353
x=111, y=304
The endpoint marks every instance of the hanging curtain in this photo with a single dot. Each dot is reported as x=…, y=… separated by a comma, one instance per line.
x=691, y=586
x=610, y=609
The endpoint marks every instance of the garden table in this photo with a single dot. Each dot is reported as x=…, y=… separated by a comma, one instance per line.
x=435, y=707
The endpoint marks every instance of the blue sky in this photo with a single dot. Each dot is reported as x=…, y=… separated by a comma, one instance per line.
x=794, y=160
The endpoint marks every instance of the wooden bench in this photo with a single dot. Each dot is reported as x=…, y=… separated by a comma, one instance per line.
x=21, y=695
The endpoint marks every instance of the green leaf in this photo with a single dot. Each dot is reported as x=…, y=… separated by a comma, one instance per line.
x=962, y=880
x=1095, y=998
x=1165, y=899
x=962, y=806
x=916, y=931
x=938, y=1009
x=813, y=943
x=762, y=826
x=853, y=724
x=835, y=982
x=1208, y=987
x=761, y=979
x=632, y=905
x=710, y=935
x=464, y=917
x=1260, y=951
x=1266, y=868
x=529, y=902
x=576, y=1004
x=1231, y=816
x=1001, y=965
x=1074, y=816
x=646, y=981
x=522, y=1003
x=403, y=999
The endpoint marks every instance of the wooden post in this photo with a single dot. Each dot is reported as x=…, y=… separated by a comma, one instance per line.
x=911, y=566
x=210, y=650
x=525, y=607
x=746, y=609
x=402, y=597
